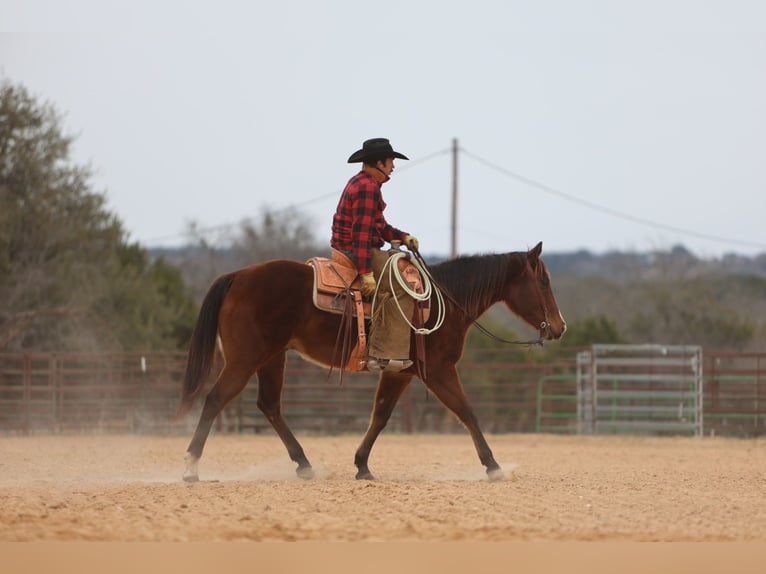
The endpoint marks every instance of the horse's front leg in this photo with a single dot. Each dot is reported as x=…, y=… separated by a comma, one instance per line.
x=390, y=388
x=271, y=377
x=446, y=385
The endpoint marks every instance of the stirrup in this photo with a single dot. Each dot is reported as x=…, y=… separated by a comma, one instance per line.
x=388, y=365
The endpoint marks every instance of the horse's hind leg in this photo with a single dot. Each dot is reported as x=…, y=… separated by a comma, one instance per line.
x=230, y=383
x=445, y=384
x=271, y=377
x=390, y=388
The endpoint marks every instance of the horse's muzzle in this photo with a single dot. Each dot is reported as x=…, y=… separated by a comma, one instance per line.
x=550, y=332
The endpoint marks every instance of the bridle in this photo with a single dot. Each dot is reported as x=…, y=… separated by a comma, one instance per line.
x=447, y=295
x=545, y=324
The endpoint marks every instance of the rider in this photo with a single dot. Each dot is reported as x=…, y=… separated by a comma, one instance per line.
x=359, y=230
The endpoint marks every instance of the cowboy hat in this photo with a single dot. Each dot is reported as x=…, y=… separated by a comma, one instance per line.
x=375, y=149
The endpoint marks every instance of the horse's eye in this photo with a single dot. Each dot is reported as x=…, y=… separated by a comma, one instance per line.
x=545, y=280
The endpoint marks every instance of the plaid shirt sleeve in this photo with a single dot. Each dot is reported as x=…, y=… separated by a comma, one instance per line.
x=359, y=224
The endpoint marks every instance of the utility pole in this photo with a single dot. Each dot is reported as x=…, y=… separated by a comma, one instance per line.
x=453, y=250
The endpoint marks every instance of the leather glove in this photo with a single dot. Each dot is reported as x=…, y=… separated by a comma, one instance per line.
x=412, y=242
x=368, y=285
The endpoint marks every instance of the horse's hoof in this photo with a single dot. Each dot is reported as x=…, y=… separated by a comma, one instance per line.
x=366, y=475
x=496, y=474
x=191, y=472
x=305, y=472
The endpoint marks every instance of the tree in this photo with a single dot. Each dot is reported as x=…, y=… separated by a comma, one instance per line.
x=690, y=312
x=68, y=278
x=275, y=234
x=594, y=329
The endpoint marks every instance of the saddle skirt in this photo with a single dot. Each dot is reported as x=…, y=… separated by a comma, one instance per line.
x=332, y=280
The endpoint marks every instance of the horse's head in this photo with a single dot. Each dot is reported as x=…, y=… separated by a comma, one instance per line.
x=531, y=297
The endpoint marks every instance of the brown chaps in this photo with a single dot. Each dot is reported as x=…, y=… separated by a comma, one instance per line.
x=389, y=332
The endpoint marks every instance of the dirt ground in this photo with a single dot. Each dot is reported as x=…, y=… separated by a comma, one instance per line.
x=428, y=488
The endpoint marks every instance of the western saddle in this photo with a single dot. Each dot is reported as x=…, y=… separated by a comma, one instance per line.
x=337, y=290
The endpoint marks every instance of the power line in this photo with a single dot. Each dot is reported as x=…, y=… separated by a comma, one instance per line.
x=518, y=177
x=223, y=226
x=425, y=158
x=607, y=210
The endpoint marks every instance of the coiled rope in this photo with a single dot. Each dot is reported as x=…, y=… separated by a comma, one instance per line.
x=392, y=269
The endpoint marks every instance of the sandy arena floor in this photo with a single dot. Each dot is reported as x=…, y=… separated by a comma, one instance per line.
x=428, y=488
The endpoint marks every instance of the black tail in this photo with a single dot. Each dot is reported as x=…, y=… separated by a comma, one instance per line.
x=202, y=347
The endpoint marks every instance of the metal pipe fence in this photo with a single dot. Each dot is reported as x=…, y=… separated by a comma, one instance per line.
x=139, y=393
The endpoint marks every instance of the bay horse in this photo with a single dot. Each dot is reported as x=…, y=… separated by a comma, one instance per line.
x=257, y=313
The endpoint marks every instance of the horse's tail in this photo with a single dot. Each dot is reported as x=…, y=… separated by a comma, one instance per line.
x=202, y=348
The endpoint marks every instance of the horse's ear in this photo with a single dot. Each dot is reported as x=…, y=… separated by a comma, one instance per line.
x=534, y=254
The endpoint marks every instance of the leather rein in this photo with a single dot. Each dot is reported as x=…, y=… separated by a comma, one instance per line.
x=479, y=326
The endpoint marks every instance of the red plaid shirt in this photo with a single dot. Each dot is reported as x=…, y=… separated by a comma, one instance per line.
x=358, y=224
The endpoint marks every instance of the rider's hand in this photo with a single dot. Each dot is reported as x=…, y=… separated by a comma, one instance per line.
x=368, y=284
x=412, y=242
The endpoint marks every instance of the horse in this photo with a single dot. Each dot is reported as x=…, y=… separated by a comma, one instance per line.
x=257, y=313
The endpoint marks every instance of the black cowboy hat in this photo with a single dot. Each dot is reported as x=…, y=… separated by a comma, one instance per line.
x=375, y=149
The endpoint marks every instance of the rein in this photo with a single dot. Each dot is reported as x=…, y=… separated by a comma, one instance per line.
x=445, y=293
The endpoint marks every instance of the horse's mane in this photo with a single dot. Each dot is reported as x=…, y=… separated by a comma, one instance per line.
x=476, y=281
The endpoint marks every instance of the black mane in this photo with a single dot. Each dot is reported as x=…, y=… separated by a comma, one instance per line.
x=477, y=281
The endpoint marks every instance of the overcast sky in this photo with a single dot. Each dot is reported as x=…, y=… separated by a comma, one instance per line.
x=600, y=125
